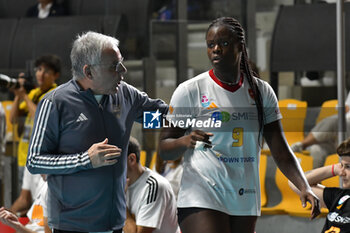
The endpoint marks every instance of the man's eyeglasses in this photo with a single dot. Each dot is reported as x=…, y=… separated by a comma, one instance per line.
x=118, y=67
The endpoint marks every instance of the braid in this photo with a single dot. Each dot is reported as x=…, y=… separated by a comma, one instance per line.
x=238, y=31
x=256, y=92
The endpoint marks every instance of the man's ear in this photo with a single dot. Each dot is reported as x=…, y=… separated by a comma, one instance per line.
x=132, y=158
x=87, y=71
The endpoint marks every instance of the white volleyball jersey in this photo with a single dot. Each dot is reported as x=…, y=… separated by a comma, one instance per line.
x=226, y=176
x=151, y=199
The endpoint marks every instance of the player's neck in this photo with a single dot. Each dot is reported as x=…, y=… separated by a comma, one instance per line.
x=228, y=76
x=138, y=171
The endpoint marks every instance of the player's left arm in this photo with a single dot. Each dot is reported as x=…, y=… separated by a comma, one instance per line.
x=289, y=165
x=131, y=227
x=142, y=102
x=142, y=229
x=130, y=224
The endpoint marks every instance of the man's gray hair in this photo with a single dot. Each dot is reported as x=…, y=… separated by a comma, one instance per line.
x=87, y=49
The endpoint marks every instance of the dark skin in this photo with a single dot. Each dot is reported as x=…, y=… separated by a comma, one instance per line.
x=225, y=52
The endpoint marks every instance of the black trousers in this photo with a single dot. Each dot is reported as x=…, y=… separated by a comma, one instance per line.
x=60, y=231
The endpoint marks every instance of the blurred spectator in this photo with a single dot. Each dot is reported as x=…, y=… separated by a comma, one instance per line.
x=323, y=138
x=47, y=71
x=46, y=8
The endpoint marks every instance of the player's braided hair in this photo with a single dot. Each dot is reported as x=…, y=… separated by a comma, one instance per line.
x=238, y=31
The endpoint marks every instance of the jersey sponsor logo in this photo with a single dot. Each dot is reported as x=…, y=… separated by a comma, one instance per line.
x=343, y=199
x=335, y=217
x=243, y=191
x=82, y=117
x=212, y=105
x=206, y=103
x=333, y=230
x=221, y=116
x=152, y=119
x=235, y=159
x=171, y=109
x=152, y=189
x=236, y=116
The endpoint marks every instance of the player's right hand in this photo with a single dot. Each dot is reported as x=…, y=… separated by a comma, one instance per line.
x=103, y=154
x=198, y=135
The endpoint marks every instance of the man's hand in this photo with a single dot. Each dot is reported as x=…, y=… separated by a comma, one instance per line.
x=103, y=154
x=309, y=196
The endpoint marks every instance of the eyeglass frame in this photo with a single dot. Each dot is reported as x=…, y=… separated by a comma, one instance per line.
x=116, y=66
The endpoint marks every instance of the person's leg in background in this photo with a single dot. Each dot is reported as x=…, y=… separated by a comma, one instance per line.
x=319, y=153
x=324, y=132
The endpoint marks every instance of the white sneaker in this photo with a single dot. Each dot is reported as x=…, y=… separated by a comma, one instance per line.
x=297, y=147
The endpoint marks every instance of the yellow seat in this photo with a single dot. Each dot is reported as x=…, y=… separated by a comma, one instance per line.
x=152, y=164
x=290, y=201
x=328, y=108
x=143, y=157
x=333, y=181
x=262, y=174
x=293, y=112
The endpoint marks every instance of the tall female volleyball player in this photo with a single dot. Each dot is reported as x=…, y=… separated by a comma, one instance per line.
x=220, y=190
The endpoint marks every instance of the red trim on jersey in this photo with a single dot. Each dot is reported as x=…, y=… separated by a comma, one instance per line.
x=231, y=88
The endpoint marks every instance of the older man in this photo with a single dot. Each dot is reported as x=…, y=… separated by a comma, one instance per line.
x=81, y=135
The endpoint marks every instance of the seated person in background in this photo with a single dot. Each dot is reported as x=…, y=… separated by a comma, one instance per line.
x=323, y=138
x=47, y=70
x=151, y=204
x=30, y=188
x=335, y=199
x=46, y=8
x=37, y=214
